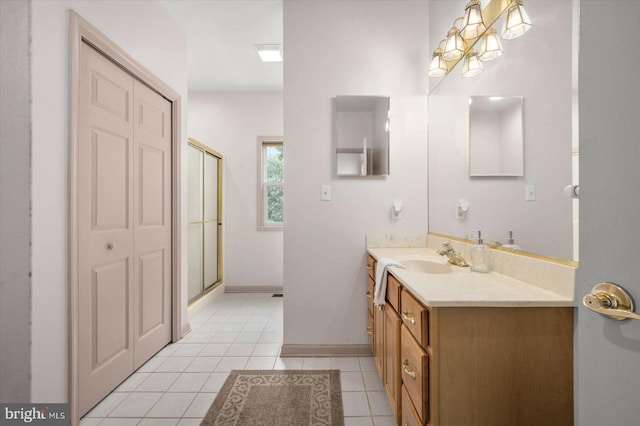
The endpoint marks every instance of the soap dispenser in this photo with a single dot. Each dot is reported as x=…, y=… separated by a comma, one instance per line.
x=480, y=256
x=511, y=243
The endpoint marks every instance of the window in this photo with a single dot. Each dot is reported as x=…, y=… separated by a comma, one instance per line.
x=270, y=183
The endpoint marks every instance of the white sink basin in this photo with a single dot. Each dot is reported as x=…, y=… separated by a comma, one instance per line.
x=426, y=265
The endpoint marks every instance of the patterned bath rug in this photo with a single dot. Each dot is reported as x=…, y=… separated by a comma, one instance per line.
x=278, y=398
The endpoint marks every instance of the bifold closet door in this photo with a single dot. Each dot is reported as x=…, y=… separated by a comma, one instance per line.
x=124, y=223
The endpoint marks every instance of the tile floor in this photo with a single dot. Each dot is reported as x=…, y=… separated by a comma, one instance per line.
x=240, y=331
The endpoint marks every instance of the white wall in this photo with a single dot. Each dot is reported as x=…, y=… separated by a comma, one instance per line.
x=538, y=67
x=230, y=123
x=15, y=202
x=347, y=48
x=146, y=31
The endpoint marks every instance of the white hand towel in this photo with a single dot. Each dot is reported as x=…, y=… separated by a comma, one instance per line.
x=381, y=279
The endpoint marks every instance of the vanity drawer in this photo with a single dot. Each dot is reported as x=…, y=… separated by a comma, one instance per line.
x=415, y=317
x=370, y=290
x=409, y=415
x=415, y=372
x=370, y=329
x=393, y=292
x=371, y=266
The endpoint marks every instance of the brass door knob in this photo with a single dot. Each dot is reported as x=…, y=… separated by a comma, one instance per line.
x=611, y=300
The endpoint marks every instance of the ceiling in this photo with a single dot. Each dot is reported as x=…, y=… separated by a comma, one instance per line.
x=221, y=35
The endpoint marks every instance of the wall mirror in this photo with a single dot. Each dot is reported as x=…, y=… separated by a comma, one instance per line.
x=496, y=139
x=532, y=205
x=361, y=133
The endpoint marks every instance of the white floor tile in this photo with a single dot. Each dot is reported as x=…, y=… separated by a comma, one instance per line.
x=232, y=363
x=198, y=337
x=358, y=421
x=240, y=349
x=379, y=402
x=273, y=337
x=248, y=337
x=211, y=327
x=189, y=349
x=355, y=404
x=168, y=350
x=151, y=365
x=215, y=349
x=159, y=422
x=260, y=363
x=351, y=381
x=91, y=421
x=219, y=318
x=121, y=422
x=174, y=364
x=316, y=363
x=267, y=349
x=258, y=318
x=238, y=318
x=367, y=363
x=384, y=421
x=215, y=382
x=372, y=381
x=288, y=364
x=232, y=327
x=136, y=404
x=200, y=405
x=224, y=338
x=345, y=364
x=171, y=405
x=203, y=364
x=132, y=382
x=253, y=327
x=157, y=382
x=189, y=382
x=107, y=405
x=189, y=422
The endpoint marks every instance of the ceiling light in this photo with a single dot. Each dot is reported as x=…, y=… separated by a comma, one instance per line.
x=472, y=65
x=517, y=21
x=490, y=46
x=438, y=66
x=472, y=23
x=455, y=45
x=269, y=52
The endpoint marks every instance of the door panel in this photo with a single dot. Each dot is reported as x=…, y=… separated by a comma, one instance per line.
x=151, y=232
x=607, y=363
x=105, y=200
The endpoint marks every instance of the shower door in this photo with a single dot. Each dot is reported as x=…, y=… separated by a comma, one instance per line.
x=204, y=219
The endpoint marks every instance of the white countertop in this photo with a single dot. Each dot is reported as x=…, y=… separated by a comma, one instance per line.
x=465, y=288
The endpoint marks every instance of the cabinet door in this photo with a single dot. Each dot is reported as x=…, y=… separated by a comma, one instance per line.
x=391, y=378
x=378, y=339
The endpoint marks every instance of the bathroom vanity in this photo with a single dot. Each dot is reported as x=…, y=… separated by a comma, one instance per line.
x=459, y=348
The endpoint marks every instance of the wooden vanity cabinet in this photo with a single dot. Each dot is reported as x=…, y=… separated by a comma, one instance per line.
x=480, y=366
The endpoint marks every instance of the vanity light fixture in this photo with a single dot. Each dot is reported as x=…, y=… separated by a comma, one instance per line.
x=455, y=45
x=472, y=23
x=472, y=65
x=269, y=52
x=438, y=66
x=517, y=21
x=490, y=46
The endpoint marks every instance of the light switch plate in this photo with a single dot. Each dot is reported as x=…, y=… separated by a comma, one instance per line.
x=530, y=193
x=326, y=193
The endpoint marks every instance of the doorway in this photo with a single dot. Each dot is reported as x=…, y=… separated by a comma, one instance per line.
x=204, y=219
x=124, y=234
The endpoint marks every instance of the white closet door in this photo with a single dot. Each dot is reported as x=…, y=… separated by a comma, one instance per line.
x=211, y=165
x=195, y=217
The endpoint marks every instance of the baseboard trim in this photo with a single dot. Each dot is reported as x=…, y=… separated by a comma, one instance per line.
x=253, y=289
x=324, y=350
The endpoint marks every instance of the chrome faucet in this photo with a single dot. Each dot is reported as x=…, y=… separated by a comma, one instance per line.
x=454, y=258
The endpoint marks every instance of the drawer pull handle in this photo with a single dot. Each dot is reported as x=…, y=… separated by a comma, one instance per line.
x=405, y=315
x=369, y=295
x=369, y=267
x=408, y=372
x=369, y=330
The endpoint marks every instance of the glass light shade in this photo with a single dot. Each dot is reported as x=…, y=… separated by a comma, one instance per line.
x=455, y=45
x=472, y=65
x=472, y=23
x=438, y=66
x=490, y=46
x=517, y=22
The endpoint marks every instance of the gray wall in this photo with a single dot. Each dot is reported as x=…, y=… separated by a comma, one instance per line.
x=15, y=202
